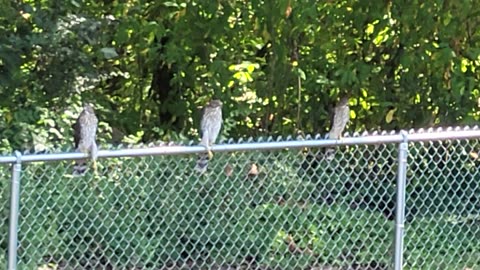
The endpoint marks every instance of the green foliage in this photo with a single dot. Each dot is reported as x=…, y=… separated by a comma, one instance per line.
x=154, y=212
x=277, y=65
x=4, y=212
x=428, y=234
x=446, y=174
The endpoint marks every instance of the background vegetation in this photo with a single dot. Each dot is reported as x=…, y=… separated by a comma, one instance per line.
x=279, y=66
x=288, y=212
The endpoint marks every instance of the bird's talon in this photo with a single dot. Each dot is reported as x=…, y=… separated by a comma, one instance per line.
x=210, y=154
x=94, y=165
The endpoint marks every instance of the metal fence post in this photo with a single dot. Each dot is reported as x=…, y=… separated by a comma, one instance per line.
x=14, y=213
x=400, y=205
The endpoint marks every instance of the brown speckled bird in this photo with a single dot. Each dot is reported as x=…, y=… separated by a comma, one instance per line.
x=341, y=117
x=210, y=126
x=85, y=131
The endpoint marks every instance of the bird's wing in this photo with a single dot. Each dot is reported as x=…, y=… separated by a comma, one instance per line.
x=77, y=131
x=340, y=120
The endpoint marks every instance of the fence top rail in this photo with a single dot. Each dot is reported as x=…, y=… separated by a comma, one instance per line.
x=403, y=136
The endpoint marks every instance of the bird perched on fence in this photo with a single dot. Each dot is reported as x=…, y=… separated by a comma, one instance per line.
x=341, y=116
x=85, y=132
x=210, y=126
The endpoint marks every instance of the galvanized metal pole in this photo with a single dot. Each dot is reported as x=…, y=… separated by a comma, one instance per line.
x=400, y=206
x=14, y=212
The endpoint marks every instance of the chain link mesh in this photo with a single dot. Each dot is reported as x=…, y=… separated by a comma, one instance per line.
x=443, y=206
x=4, y=210
x=285, y=209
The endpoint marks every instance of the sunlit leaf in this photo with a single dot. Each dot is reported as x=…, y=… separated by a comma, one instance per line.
x=109, y=53
x=389, y=116
x=302, y=75
x=370, y=28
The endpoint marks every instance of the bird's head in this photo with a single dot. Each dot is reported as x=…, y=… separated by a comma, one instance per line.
x=215, y=103
x=88, y=107
x=343, y=101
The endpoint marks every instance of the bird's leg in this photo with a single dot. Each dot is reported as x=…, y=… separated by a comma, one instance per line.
x=210, y=153
x=94, y=165
x=94, y=155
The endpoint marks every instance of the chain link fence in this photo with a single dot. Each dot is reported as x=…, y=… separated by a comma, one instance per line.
x=278, y=208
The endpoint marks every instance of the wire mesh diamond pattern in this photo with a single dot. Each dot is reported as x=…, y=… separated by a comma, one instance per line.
x=278, y=209
x=4, y=203
x=443, y=206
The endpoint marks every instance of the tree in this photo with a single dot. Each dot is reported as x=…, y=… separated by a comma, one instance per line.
x=279, y=65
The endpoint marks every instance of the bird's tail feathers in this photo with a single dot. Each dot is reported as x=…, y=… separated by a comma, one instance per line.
x=202, y=163
x=80, y=167
x=329, y=154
